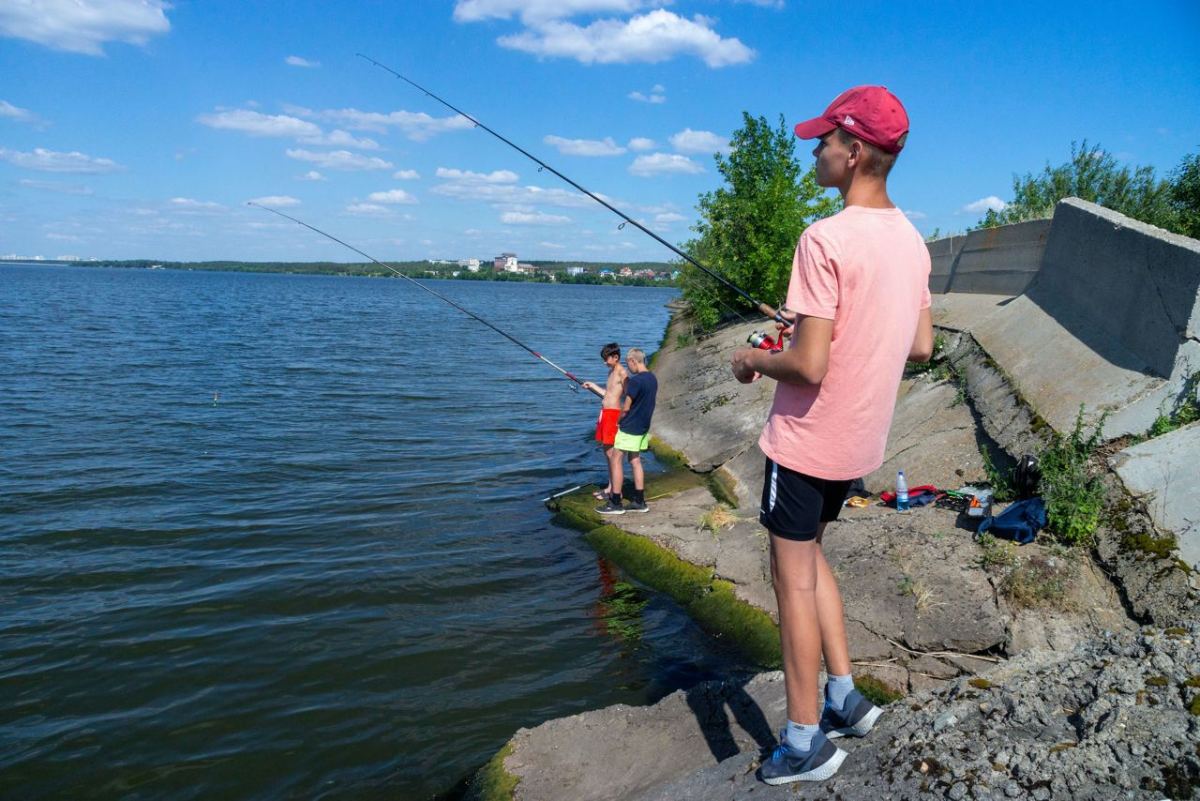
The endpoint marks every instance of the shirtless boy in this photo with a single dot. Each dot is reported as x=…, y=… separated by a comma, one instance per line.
x=610, y=415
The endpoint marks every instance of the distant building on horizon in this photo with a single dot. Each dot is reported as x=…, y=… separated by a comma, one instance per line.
x=506, y=262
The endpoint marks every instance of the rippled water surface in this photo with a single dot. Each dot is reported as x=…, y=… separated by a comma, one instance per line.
x=281, y=536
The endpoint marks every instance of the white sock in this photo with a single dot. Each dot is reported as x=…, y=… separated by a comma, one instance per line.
x=836, y=690
x=799, y=736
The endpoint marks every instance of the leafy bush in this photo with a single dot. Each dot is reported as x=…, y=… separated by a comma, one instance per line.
x=749, y=227
x=1093, y=174
x=1072, y=490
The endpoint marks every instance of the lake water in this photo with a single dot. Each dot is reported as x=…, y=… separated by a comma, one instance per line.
x=269, y=536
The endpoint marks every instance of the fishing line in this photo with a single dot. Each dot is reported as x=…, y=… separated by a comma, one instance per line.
x=768, y=311
x=438, y=295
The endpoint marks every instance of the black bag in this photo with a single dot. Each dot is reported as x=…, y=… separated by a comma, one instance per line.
x=1026, y=477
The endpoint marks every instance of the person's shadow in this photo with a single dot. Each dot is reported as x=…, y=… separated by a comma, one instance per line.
x=709, y=701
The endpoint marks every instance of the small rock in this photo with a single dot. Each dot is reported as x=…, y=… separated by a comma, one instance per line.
x=1013, y=790
x=943, y=720
x=958, y=791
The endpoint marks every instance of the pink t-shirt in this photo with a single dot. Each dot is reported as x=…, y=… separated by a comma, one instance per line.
x=868, y=271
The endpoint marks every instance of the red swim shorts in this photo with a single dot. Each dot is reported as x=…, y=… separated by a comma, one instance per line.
x=606, y=426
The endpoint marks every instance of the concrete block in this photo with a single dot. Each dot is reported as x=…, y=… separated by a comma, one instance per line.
x=1000, y=261
x=1056, y=371
x=1127, y=290
x=942, y=253
x=1164, y=472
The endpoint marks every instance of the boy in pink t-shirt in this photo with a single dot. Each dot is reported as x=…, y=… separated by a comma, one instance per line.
x=859, y=290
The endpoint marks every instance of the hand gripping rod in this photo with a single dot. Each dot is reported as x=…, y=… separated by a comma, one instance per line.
x=767, y=310
x=509, y=337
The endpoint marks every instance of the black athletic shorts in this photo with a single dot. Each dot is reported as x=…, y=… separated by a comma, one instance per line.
x=794, y=504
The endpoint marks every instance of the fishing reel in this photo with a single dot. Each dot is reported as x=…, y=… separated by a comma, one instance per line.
x=758, y=339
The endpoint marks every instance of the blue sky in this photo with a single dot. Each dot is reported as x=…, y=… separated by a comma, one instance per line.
x=139, y=129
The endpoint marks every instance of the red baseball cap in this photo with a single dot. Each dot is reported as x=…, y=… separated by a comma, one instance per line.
x=871, y=113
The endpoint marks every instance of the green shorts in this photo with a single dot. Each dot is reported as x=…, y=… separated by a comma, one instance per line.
x=633, y=443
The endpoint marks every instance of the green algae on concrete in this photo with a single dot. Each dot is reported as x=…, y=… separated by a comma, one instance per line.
x=492, y=782
x=709, y=600
x=712, y=602
x=723, y=486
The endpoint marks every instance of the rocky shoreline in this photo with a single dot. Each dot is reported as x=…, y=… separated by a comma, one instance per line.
x=1032, y=673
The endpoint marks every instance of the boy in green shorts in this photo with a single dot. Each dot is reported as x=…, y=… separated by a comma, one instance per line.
x=633, y=430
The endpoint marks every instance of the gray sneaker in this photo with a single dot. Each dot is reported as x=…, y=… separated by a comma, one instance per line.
x=816, y=764
x=856, y=718
x=637, y=506
x=610, y=508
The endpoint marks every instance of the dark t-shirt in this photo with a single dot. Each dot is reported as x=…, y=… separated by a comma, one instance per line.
x=642, y=388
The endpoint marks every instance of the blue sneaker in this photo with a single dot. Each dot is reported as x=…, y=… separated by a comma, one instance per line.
x=857, y=717
x=816, y=764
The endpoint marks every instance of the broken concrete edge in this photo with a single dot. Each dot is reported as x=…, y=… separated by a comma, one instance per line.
x=1126, y=545
x=720, y=482
x=493, y=782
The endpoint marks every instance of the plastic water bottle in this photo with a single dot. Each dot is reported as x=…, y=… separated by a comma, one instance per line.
x=901, y=492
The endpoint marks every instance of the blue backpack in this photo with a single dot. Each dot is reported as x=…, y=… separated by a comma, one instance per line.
x=1020, y=522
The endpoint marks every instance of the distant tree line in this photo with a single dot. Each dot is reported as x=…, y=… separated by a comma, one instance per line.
x=547, y=272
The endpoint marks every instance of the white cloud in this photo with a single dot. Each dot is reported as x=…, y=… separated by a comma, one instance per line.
x=366, y=209
x=417, y=126
x=341, y=139
x=495, y=177
x=658, y=163
x=699, y=142
x=551, y=245
x=55, y=186
x=192, y=205
x=989, y=203
x=406, y=175
x=392, y=196
x=585, y=147
x=668, y=217
x=54, y=161
x=312, y=175
x=83, y=26
x=533, y=218
x=339, y=159
x=276, y=201
x=640, y=143
x=653, y=37
x=532, y=10
x=914, y=215
x=657, y=94
x=258, y=124
x=17, y=114
x=297, y=61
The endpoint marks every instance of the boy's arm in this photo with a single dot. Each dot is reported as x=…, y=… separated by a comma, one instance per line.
x=922, y=347
x=592, y=388
x=805, y=362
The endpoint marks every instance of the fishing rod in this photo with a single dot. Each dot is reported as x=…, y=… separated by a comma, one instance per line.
x=767, y=310
x=438, y=295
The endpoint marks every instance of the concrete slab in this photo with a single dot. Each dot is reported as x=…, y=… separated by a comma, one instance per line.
x=1055, y=371
x=965, y=312
x=1163, y=472
x=1127, y=290
x=1000, y=260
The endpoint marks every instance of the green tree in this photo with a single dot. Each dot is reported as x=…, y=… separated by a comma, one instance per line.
x=1091, y=174
x=748, y=228
x=1185, y=196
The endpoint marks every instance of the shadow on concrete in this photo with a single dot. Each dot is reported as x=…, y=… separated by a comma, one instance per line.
x=708, y=703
